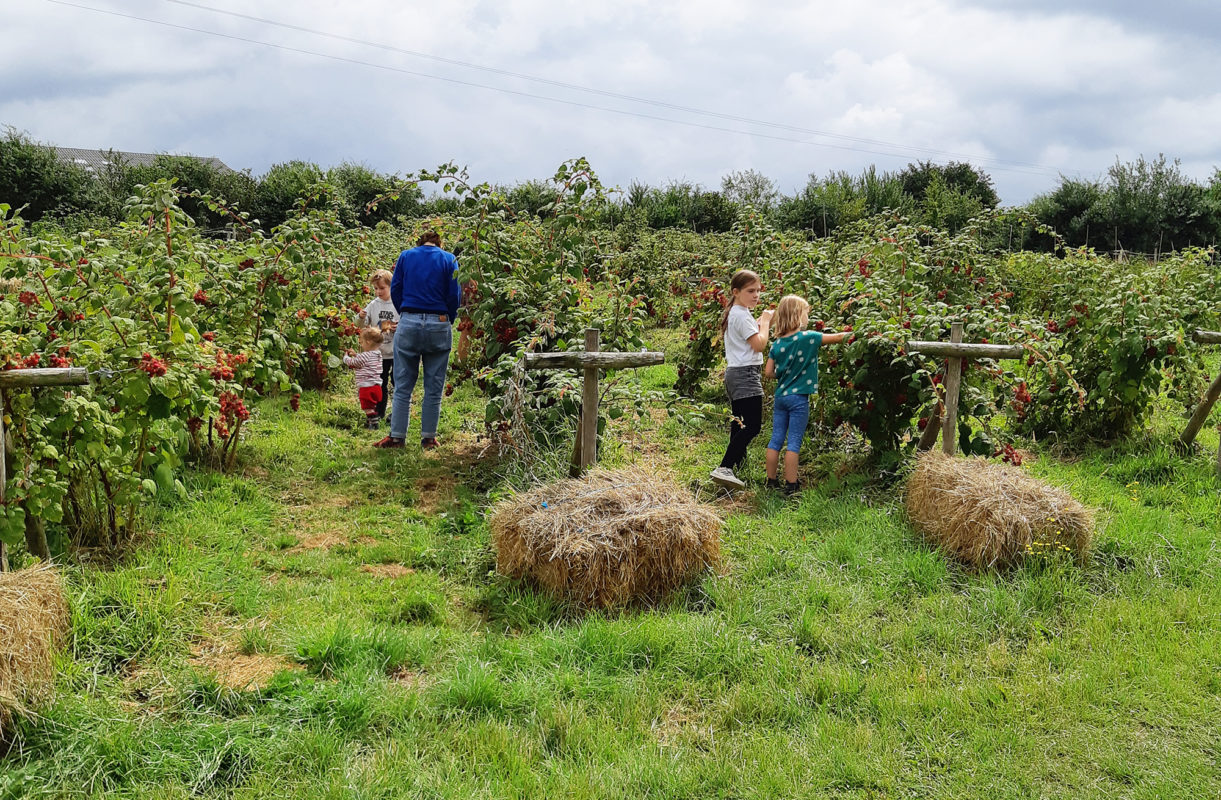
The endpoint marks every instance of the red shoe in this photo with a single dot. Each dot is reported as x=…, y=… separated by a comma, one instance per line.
x=428, y=444
x=389, y=442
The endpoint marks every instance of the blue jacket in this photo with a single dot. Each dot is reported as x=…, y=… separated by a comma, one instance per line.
x=426, y=279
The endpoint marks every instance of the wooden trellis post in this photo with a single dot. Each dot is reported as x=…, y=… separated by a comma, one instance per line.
x=590, y=361
x=956, y=351
x=19, y=379
x=1200, y=415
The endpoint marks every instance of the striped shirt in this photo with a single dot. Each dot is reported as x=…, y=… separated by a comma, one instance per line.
x=368, y=366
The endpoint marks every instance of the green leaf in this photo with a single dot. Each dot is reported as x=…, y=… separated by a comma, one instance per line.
x=12, y=524
x=164, y=476
x=158, y=406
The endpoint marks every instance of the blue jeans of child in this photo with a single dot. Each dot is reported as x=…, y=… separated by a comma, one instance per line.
x=421, y=339
x=790, y=416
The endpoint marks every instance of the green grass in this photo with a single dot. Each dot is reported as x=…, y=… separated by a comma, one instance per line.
x=837, y=656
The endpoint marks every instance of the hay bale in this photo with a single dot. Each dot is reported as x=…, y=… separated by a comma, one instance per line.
x=607, y=539
x=33, y=622
x=990, y=514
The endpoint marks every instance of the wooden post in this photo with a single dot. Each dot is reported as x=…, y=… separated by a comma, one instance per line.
x=73, y=376
x=928, y=437
x=953, y=381
x=585, y=452
x=1201, y=414
x=589, y=404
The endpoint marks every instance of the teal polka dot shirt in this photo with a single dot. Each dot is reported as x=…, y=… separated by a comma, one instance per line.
x=796, y=359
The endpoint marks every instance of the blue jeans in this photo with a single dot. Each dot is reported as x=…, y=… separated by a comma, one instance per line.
x=420, y=338
x=790, y=415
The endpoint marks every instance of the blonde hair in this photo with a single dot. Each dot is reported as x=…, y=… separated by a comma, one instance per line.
x=792, y=314
x=370, y=338
x=381, y=276
x=740, y=280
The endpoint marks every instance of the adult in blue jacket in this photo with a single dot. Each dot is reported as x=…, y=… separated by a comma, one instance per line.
x=426, y=293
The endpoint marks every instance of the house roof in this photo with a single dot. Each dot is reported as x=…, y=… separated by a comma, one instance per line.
x=94, y=160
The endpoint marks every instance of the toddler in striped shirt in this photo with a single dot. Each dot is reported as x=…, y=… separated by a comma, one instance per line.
x=368, y=366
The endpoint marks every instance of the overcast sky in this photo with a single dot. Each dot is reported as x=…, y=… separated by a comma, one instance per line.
x=1026, y=89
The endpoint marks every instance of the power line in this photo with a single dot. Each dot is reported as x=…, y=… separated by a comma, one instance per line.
x=457, y=81
x=602, y=92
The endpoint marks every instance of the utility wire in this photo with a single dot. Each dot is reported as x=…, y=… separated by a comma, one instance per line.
x=602, y=92
x=1037, y=170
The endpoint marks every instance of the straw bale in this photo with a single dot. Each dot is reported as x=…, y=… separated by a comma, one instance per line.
x=607, y=539
x=33, y=623
x=990, y=514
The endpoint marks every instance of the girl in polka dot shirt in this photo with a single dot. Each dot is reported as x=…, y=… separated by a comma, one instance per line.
x=793, y=362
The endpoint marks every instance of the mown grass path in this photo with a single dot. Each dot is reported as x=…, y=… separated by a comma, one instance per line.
x=327, y=623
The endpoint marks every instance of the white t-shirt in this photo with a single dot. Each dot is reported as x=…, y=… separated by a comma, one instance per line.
x=379, y=311
x=741, y=326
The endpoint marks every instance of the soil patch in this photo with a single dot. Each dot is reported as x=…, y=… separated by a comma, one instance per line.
x=390, y=571
x=319, y=541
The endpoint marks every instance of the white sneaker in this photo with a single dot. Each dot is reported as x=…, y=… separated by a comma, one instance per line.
x=725, y=477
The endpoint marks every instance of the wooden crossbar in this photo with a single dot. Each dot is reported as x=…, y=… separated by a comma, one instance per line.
x=944, y=416
x=966, y=350
x=590, y=361
x=593, y=360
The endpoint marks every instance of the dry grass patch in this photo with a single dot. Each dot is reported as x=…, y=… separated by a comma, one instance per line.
x=319, y=541
x=607, y=539
x=223, y=657
x=990, y=514
x=33, y=623
x=391, y=571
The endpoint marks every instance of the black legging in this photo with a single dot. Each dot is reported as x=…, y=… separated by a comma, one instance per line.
x=748, y=420
x=387, y=374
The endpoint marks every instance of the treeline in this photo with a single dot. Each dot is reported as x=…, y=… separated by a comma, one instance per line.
x=1142, y=206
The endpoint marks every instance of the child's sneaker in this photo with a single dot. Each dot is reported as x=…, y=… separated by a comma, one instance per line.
x=371, y=423
x=725, y=477
x=389, y=442
x=792, y=489
x=773, y=483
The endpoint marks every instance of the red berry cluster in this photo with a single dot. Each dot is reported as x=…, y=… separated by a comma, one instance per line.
x=1021, y=401
x=232, y=409
x=209, y=336
x=505, y=331
x=27, y=298
x=315, y=357
x=247, y=264
x=201, y=298
x=294, y=402
x=153, y=366
x=1009, y=454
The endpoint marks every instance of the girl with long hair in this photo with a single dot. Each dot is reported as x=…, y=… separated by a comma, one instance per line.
x=745, y=341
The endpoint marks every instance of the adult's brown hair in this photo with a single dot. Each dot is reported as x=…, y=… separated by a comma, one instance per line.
x=429, y=237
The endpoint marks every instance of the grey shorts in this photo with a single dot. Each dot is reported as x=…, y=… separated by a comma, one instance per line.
x=744, y=382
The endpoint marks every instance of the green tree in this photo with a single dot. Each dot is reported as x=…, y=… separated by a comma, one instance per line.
x=32, y=175
x=956, y=176
x=283, y=186
x=750, y=187
x=842, y=198
x=357, y=185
